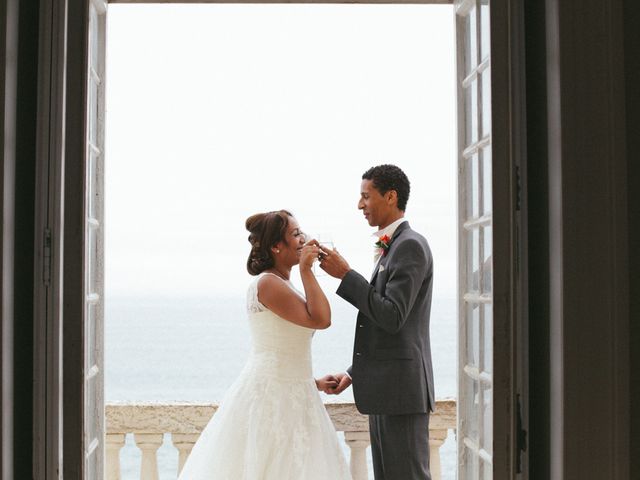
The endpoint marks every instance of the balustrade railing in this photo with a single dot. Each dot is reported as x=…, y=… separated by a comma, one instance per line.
x=149, y=422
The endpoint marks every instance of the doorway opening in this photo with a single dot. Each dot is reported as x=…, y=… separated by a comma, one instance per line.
x=216, y=112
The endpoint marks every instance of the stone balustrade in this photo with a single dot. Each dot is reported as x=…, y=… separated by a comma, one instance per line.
x=149, y=422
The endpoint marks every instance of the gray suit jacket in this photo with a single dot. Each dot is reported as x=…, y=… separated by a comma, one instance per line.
x=391, y=370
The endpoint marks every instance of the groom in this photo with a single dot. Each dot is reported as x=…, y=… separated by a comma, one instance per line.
x=391, y=372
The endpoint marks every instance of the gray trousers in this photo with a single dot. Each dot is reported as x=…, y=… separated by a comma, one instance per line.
x=400, y=446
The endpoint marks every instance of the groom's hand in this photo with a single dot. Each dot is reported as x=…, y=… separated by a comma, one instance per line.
x=333, y=263
x=344, y=381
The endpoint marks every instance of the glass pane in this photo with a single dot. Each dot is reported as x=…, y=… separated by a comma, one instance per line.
x=485, y=85
x=487, y=471
x=92, y=259
x=487, y=203
x=90, y=334
x=485, y=46
x=473, y=260
x=469, y=399
x=471, y=112
x=92, y=466
x=473, y=334
x=94, y=36
x=471, y=41
x=91, y=408
x=487, y=419
x=487, y=349
x=92, y=185
x=473, y=187
x=470, y=465
x=487, y=248
x=93, y=111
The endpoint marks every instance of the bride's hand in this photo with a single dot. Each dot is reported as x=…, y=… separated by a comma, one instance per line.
x=343, y=380
x=309, y=254
x=327, y=383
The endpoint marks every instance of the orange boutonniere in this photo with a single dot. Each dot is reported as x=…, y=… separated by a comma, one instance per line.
x=383, y=244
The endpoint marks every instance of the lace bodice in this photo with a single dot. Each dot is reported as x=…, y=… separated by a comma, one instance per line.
x=279, y=348
x=253, y=304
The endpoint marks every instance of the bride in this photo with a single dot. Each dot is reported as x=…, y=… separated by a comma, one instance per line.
x=272, y=424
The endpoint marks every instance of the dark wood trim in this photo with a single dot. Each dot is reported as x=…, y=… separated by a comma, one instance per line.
x=8, y=101
x=505, y=310
x=588, y=234
x=631, y=16
x=538, y=448
x=74, y=222
x=47, y=448
x=24, y=235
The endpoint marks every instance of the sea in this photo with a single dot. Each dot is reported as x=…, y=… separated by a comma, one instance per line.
x=191, y=348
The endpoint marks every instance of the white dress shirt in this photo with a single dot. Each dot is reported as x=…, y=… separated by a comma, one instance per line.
x=389, y=230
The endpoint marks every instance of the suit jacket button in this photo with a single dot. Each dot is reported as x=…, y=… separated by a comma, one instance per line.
x=358, y=354
x=361, y=326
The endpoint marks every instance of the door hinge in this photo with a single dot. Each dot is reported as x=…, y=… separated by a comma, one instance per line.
x=521, y=433
x=46, y=258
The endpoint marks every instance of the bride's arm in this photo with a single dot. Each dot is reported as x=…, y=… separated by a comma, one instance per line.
x=317, y=303
x=274, y=294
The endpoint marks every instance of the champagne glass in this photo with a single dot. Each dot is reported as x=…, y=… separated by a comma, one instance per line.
x=326, y=243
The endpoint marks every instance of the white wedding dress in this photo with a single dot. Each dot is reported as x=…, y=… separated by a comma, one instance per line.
x=272, y=424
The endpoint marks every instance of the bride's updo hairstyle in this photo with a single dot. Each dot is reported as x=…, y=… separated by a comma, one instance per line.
x=265, y=231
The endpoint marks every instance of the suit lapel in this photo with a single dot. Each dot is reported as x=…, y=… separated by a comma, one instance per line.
x=375, y=272
x=403, y=226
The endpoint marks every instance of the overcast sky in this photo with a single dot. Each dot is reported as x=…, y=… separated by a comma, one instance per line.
x=216, y=112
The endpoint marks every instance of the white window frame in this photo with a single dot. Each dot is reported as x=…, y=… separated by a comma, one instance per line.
x=507, y=377
x=475, y=298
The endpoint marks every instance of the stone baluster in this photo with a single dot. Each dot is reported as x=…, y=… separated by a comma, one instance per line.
x=113, y=444
x=149, y=443
x=436, y=439
x=183, y=442
x=358, y=443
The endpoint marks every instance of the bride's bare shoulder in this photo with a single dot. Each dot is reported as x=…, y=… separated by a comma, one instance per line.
x=271, y=283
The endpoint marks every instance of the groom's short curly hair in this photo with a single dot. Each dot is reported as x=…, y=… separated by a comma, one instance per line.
x=389, y=177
